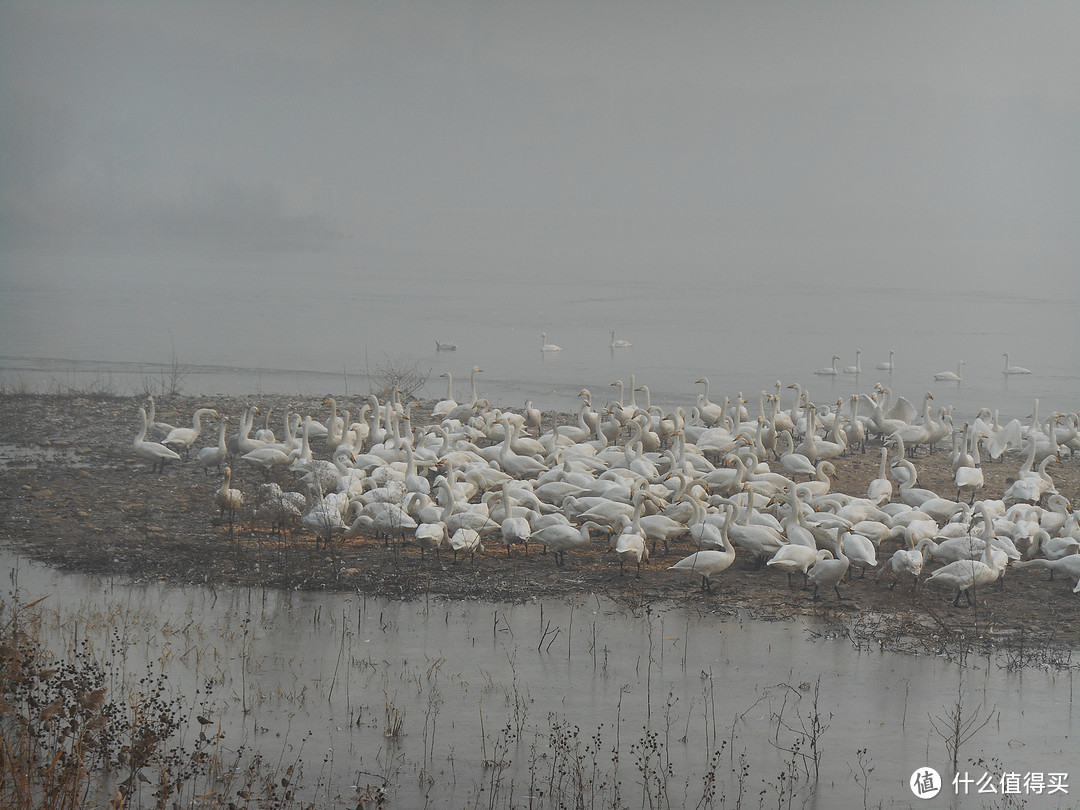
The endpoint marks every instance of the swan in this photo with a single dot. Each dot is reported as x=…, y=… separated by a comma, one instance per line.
x=1010, y=369
x=855, y=429
x=861, y=550
x=832, y=370
x=387, y=520
x=562, y=537
x=970, y=478
x=214, y=456
x=278, y=506
x=243, y=443
x=794, y=558
x=184, y=437
x=761, y=541
x=443, y=407
x=795, y=463
x=445, y=346
x=820, y=484
x=323, y=520
x=829, y=572
x=265, y=434
x=1053, y=548
x=467, y=409
x=152, y=451
x=966, y=575
x=857, y=368
x=466, y=540
x=514, y=529
x=951, y=376
x=631, y=544
x=880, y=489
x=158, y=430
x=907, y=562
x=707, y=563
x=620, y=343
x=548, y=347
x=887, y=365
x=228, y=499
x=1069, y=564
x=430, y=537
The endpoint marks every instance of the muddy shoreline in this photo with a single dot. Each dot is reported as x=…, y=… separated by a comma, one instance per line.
x=75, y=496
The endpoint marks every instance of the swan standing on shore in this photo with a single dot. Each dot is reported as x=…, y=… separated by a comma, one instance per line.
x=184, y=437
x=152, y=451
x=214, y=456
x=228, y=499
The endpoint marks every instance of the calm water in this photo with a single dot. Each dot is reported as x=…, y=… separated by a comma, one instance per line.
x=315, y=323
x=317, y=671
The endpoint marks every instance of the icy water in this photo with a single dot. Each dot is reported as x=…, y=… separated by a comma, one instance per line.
x=544, y=689
x=317, y=322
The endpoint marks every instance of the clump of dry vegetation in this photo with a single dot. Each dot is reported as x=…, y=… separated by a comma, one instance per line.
x=69, y=740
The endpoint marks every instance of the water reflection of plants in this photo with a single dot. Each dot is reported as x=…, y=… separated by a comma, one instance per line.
x=257, y=698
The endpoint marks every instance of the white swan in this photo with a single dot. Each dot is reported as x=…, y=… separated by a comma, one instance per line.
x=465, y=541
x=228, y=499
x=157, y=430
x=880, y=489
x=966, y=575
x=706, y=563
x=620, y=343
x=443, y=407
x=951, y=376
x=561, y=537
x=430, y=537
x=445, y=346
x=183, y=438
x=1010, y=369
x=797, y=558
x=214, y=456
x=970, y=477
x=152, y=451
x=548, y=347
x=832, y=370
x=828, y=573
x=857, y=368
x=887, y=365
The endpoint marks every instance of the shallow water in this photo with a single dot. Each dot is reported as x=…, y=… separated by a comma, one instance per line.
x=317, y=673
x=319, y=322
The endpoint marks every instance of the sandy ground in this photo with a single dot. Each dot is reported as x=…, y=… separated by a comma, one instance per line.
x=73, y=494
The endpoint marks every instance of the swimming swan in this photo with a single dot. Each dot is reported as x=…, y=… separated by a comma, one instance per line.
x=832, y=370
x=548, y=347
x=950, y=376
x=888, y=365
x=1009, y=369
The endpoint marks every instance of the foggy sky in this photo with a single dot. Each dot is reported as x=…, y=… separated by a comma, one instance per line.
x=617, y=137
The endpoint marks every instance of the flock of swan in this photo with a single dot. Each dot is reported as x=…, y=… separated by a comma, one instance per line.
x=890, y=365
x=727, y=477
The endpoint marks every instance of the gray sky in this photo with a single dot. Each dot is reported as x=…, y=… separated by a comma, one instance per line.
x=615, y=136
